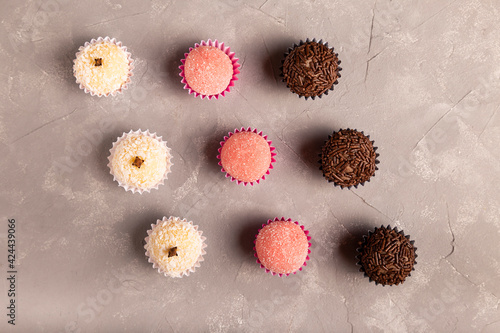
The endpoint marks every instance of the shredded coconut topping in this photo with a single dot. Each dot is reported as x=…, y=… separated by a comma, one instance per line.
x=151, y=151
x=106, y=75
x=174, y=232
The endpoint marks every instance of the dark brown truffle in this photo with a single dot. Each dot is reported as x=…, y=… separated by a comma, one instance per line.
x=387, y=256
x=348, y=158
x=311, y=69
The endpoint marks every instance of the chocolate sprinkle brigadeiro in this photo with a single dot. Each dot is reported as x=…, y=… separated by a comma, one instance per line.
x=311, y=69
x=348, y=158
x=387, y=256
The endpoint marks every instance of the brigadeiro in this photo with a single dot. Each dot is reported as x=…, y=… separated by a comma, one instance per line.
x=387, y=256
x=348, y=158
x=310, y=69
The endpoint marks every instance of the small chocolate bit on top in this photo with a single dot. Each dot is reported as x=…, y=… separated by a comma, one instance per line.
x=98, y=62
x=138, y=162
x=172, y=252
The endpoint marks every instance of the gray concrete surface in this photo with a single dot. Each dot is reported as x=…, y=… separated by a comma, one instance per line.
x=420, y=77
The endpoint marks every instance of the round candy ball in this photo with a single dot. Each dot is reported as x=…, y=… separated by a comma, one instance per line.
x=103, y=67
x=175, y=246
x=348, y=158
x=311, y=69
x=208, y=70
x=246, y=156
x=387, y=256
x=282, y=247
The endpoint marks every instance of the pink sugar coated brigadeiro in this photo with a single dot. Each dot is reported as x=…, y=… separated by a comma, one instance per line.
x=208, y=70
x=246, y=156
x=282, y=247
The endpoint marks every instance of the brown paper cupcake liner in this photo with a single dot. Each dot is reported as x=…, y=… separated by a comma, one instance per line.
x=364, y=243
x=290, y=49
x=362, y=183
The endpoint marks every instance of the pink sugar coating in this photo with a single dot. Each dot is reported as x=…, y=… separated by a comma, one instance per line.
x=208, y=70
x=282, y=247
x=246, y=156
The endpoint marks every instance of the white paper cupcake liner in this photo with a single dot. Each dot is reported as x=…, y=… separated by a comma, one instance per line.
x=187, y=271
x=135, y=189
x=107, y=39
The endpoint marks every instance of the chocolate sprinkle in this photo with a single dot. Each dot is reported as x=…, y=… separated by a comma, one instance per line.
x=138, y=162
x=98, y=62
x=311, y=69
x=348, y=158
x=387, y=256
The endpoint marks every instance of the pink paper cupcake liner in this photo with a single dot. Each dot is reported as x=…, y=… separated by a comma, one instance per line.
x=131, y=188
x=249, y=129
x=124, y=86
x=306, y=232
x=224, y=49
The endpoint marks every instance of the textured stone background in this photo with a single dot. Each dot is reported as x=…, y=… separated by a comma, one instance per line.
x=420, y=77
